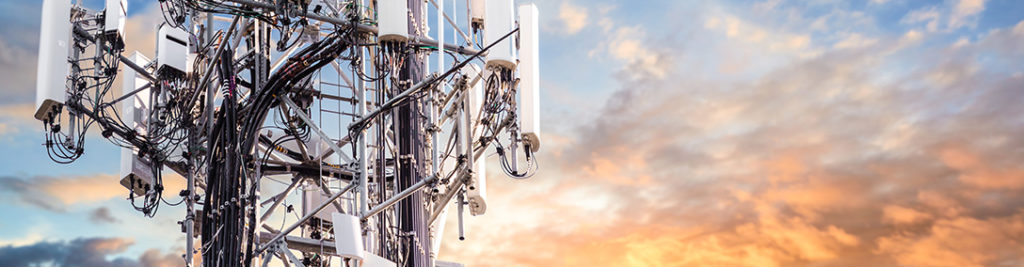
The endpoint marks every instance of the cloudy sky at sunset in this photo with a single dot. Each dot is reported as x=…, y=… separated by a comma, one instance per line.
x=676, y=133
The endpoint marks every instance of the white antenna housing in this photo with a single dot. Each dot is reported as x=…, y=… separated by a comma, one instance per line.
x=171, y=51
x=498, y=23
x=136, y=173
x=476, y=191
x=477, y=9
x=52, y=68
x=372, y=260
x=348, y=238
x=113, y=23
x=393, y=20
x=529, y=75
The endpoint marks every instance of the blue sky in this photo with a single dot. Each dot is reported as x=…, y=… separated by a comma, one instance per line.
x=742, y=132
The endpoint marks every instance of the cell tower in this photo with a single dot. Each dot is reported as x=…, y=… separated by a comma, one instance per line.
x=352, y=108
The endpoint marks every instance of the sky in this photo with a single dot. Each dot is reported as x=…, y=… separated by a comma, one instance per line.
x=675, y=133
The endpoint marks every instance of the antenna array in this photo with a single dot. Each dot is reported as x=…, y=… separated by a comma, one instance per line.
x=257, y=103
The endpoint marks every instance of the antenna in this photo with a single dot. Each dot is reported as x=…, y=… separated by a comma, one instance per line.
x=311, y=132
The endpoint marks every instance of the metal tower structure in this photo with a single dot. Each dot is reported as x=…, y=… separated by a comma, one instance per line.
x=310, y=132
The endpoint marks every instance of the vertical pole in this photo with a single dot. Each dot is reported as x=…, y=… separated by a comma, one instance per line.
x=209, y=28
x=433, y=112
x=189, y=208
x=190, y=186
x=513, y=145
x=462, y=231
x=460, y=126
x=381, y=158
x=440, y=35
x=364, y=189
x=210, y=95
x=467, y=124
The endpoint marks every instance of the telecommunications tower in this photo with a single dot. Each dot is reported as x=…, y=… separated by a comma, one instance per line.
x=308, y=132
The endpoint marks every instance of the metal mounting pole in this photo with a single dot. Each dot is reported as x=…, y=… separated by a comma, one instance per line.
x=364, y=191
x=190, y=210
x=401, y=195
x=433, y=103
x=462, y=231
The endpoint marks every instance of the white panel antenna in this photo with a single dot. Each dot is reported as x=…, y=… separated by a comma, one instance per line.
x=348, y=237
x=499, y=22
x=529, y=74
x=113, y=23
x=477, y=9
x=136, y=173
x=52, y=68
x=372, y=260
x=171, y=51
x=393, y=20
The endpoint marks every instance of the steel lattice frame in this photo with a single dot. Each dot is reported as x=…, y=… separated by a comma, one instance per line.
x=403, y=148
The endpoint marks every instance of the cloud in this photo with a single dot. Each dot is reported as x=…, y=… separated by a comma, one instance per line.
x=102, y=215
x=156, y=258
x=30, y=238
x=57, y=193
x=1003, y=41
x=736, y=28
x=855, y=40
x=85, y=252
x=18, y=67
x=910, y=38
x=574, y=17
x=951, y=16
x=140, y=31
x=961, y=241
x=976, y=171
x=901, y=215
x=964, y=12
x=930, y=16
x=860, y=155
x=630, y=46
x=16, y=118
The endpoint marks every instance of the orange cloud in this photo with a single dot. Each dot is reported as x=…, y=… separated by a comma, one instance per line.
x=58, y=193
x=819, y=162
x=621, y=167
x=959, y=242
x=900, y=215
x=83, y=189
x=975, y=171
